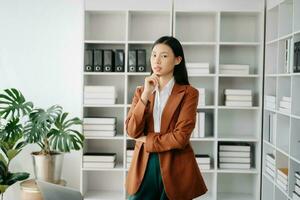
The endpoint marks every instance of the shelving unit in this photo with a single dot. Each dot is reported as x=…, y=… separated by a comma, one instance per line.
x=282, y=24
x=218, y=33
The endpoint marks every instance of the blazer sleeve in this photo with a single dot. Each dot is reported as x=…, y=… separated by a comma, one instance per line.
x=179, y=137
x=135, y=120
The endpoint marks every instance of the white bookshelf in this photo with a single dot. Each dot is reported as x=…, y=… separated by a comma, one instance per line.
x=227, y=32
x=282, y=23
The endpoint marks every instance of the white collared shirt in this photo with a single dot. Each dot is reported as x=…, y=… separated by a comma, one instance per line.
x=160, y=102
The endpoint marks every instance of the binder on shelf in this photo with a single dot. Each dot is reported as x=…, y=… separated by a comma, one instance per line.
x=297, y=57
x=132, y=61
x=88, y=60
x=119, y=60
x=108, y=60
x=98, y=60
x=141, y=60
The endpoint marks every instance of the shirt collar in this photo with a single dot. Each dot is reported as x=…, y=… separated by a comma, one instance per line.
x=167, y=88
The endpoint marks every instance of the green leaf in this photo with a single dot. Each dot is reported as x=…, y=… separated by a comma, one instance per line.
x=3, y=188
x=14, y=177
x=12, y=153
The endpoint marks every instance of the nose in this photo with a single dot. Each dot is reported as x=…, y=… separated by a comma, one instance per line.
x=157, y=60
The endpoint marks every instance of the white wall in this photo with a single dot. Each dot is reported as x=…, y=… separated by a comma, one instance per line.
x=41, y=48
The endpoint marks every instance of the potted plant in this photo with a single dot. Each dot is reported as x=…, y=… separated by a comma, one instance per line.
x=53, y=132
x=13, y=110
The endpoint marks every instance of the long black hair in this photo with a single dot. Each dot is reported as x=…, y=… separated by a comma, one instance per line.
x=180, y=71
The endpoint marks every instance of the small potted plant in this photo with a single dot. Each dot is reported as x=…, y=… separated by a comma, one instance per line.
x=53, y=132
x=13, y=110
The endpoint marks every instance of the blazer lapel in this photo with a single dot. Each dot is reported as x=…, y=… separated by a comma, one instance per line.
x=170, y=107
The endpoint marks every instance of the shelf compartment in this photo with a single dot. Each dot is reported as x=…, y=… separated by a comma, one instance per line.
x=148, y=25
x=295, y=139
x=117, y=81
x=240, y=123
x=204, y=26
x=295, y=95
x=281, y=69
x=244, y=83
x=296, y=15
x=270, y=86
x=272, y=23
x=243, y=55
x=209, y=84
x=105, y=25
x=267, y=188
x=240, y=27
x=204, y=147
x=285, y=18
x=95, y=188
x=284, y=90
x=203, y=53
x=269, y=128
x=283, y=133
x=148, y=48
x=271, y=58
x=108, y=112
x=235, y=190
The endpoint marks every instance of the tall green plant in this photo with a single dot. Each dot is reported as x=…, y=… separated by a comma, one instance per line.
x=13, y=109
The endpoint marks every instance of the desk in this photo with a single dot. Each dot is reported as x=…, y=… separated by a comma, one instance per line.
x=30, y=190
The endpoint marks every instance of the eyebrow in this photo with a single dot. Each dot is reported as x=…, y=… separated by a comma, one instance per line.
x=161, y=52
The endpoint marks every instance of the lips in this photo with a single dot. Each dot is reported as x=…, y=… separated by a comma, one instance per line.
x=157, y=68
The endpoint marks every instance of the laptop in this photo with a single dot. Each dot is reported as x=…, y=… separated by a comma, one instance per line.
x=57, y=192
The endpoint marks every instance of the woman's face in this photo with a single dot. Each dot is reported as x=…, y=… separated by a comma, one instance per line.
x=163, y=60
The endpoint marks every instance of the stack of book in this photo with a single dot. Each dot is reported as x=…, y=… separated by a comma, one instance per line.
x=99, y=95
x=199, y=130
x=195, y=68
x=288, y=54
x=234, y=97
x=99, y=160
x=296, y=193
x=201, y=99
x=272, y=127
x=234, y=69
x=282, y=178
x=234, y=156
x=203, y=161
x=285, y=104
x=270, y=165
x=270, y=102
x=129, y=154
x=99, y=127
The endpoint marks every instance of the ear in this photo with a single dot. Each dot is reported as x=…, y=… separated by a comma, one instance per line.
x=178, y=60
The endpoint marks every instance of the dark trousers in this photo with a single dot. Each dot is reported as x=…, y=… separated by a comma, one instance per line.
x=152, y=187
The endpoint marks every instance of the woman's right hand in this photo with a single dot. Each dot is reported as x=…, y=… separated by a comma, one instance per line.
x=149, y=86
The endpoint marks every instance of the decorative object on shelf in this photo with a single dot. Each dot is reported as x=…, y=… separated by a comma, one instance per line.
x=13, y=109
x=53, y=132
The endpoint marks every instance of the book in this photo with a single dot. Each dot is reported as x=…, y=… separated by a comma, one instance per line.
x=97, y=133
x=91, y=88
x=99, y=164
x=296, y=196
x=285, y=104
x=204, y=166
x=297, y=174
x=297, y=189
x=238, y=98
x=239, y=147
x=288, y=99
x=197, y=71
x=233, y=66
x=238, y=103
x=270, y=172
x=203, y=158
x=201, y=126
x=234, y=165
x=270, y=158
x=197, y=64
x=102, y=127
x=99, y=101
x=270, y=98
x=283, y=172
x=100, y=95
x=234, y=160
x=232, y=71
x=99, y=157
x=282, y=185
x=129, y=152
x=237, y=92
x=234, y=154
x=99, y=120
x=271, y=166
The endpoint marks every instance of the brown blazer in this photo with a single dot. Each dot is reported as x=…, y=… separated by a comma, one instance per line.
x=181, y=176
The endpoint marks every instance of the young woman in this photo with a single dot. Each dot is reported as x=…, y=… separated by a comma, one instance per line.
x=161, y=119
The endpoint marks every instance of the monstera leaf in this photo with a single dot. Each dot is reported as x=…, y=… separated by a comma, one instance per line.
x=13, y=104
x=40, y=123
x=64, y=139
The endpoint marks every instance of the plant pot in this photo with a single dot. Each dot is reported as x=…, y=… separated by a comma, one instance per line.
x=47, y=167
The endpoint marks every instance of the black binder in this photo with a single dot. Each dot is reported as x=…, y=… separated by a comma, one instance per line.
x=297, y=57
x=119, y=60
x=141, y=60
x=98, y=60
x=88, y=60
x=132, y=61
x=108, y=60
